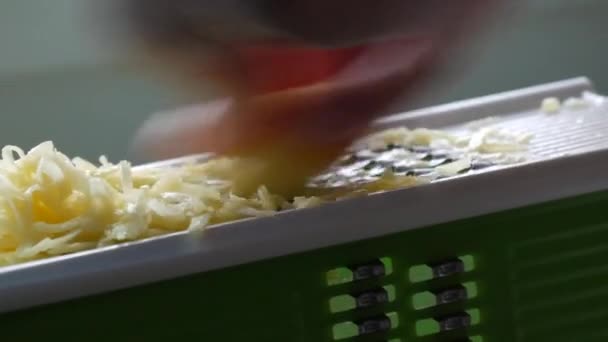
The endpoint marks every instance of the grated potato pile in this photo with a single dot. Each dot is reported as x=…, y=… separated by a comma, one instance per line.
x=53, y=205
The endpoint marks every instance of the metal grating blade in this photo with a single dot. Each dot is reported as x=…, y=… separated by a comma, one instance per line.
x=580, y=126
x=570, y=131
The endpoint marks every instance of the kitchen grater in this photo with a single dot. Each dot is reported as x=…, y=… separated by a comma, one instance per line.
x=511, y=253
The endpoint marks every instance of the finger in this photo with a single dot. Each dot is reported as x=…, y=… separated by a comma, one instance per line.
x=331, y=112
x=167, y=134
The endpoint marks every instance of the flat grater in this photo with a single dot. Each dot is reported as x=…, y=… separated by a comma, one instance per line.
x=512, y=253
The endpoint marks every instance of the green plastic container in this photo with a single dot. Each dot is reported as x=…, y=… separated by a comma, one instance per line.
x=514, y=254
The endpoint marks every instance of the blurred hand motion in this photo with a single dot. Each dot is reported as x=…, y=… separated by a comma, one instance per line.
x=304, y=78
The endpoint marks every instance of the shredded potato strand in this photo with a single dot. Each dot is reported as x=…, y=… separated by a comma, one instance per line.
x=51, y=205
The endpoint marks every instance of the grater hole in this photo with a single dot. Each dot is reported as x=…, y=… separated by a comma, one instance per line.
x=454, y=322
x=369, y=270
x=362, y=300
x=340, y=275
x=451, y=295
x=368, y=326
x=432, y=326
x=443, y=269
x=428, y=299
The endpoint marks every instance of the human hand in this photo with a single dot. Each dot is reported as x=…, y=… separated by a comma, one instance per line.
x=299, y=108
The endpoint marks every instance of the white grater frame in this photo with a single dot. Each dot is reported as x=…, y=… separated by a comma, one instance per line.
x=180, y=254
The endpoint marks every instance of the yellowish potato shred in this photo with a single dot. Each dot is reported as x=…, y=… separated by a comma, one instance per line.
x=53, y=205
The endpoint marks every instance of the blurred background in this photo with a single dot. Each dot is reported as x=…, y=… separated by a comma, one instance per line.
x=58, y=82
